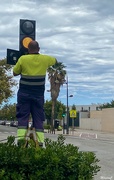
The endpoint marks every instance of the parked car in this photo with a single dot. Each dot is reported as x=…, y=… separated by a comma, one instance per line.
x=7, y=123
x=14, y=123
x=2, y=122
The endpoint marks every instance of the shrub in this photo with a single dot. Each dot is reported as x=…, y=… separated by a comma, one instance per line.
x=46, y=126
x=56, y=161
x=59, y=128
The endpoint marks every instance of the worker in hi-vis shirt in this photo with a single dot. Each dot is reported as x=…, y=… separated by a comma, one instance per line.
x=30, y=97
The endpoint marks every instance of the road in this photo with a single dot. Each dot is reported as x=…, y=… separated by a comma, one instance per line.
x=103, y=148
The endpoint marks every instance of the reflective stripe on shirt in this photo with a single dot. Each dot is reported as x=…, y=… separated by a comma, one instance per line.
x=32, y=80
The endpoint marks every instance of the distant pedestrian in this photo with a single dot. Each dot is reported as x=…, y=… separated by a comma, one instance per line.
x=30, y=97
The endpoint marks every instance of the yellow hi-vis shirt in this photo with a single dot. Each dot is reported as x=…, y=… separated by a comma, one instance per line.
x=33, y=64
x=32, y=68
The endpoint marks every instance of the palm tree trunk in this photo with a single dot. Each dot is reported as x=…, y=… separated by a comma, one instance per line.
x=52, y=130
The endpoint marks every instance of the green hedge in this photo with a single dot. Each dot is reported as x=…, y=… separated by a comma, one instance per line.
x=46, y=126
x=57, y=161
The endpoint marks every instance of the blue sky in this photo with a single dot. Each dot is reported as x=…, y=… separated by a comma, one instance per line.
x=79, y=33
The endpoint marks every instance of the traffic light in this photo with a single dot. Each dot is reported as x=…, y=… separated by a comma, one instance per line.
x=63, y=115
x=12, y=56
x=27, y=34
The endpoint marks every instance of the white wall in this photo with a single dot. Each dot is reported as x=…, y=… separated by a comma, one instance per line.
x=91, y=124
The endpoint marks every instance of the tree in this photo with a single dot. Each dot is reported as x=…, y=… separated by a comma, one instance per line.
x=48, y=109
x=107, y=105
x=60, y=108
x=56, y=76
x=73, y=107
x=8, y=112
x=6, y=81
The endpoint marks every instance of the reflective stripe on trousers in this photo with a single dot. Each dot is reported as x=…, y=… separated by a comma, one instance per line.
x=21, y=133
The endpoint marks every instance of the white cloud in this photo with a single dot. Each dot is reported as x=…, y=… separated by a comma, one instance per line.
x=78, y=32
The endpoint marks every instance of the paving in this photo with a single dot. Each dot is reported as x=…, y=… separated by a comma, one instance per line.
x=92, y=134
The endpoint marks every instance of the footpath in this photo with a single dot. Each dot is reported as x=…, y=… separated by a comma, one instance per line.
x=82, y=133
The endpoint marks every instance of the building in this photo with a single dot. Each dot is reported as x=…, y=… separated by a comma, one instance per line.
x=91, y=107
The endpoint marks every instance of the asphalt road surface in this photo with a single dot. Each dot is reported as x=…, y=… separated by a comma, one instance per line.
x=103, y=148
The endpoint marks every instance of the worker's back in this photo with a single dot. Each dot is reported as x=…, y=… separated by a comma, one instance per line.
x=32, y=68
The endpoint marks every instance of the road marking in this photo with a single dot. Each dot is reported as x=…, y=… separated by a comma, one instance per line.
x=88, y=135
x=8, y=132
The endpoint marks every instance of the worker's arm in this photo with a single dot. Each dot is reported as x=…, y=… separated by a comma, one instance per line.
x=17, y=68
x=15, y=74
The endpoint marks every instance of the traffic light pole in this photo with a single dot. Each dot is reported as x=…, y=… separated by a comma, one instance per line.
x=67, y=109
x=63, y=125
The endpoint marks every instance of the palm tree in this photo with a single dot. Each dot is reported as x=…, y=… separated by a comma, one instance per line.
x=56, y=76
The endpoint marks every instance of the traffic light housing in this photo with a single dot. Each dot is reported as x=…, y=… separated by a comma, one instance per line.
x=63, y=115
x=12, y=56
x=27, y=34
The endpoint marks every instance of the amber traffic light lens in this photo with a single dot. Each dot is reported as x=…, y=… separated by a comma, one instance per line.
x=26, y=41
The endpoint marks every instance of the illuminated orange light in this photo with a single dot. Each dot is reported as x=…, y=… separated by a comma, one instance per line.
x=26, y=41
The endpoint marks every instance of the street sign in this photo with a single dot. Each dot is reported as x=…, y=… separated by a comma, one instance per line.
x=72, y=113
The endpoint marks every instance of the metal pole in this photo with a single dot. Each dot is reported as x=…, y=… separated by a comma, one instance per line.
x=63, y=125
x=67, y=109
